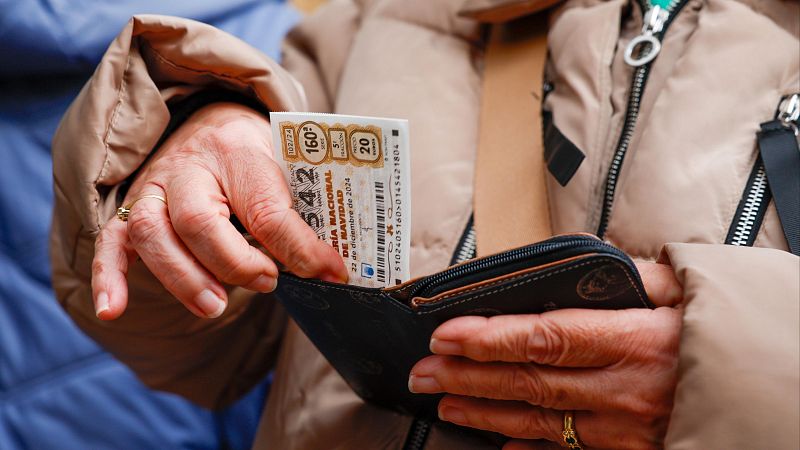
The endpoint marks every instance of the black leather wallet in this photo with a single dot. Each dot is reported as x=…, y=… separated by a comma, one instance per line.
x=374, y=336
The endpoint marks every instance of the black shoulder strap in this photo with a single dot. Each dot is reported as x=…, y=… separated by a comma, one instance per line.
x=775, y=174
x=778, y=147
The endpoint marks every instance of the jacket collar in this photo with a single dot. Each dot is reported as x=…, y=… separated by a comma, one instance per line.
x=500, y=11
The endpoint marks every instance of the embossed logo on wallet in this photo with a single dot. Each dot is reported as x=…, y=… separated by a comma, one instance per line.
x=603, y=283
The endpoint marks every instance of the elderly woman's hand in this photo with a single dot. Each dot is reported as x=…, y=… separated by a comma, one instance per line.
x=517, y=374
x=217, y=163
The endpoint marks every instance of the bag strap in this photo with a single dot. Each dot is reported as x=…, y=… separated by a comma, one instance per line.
x=778, y=148
x=774, y=177
x=510, y=199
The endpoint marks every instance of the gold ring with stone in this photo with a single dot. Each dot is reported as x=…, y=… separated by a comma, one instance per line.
x=125, y=210
x=569, y=434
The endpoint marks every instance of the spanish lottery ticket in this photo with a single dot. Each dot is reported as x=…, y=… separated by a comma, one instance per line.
x=349, y=178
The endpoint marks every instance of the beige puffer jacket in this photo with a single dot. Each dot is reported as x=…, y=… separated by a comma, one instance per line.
x=722, y=70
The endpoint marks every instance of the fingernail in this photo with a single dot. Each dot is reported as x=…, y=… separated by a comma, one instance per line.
x=452, y=414
x=441, y=347
x=103, y=304
x=675, y=294
x=211, y=305
x=423, y=385
x=264, y=283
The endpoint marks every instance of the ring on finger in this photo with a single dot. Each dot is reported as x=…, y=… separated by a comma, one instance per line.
x=569, y=434
x=124, y=211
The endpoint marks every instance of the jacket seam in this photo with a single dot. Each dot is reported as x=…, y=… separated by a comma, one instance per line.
x=58, y=375
x=109, y=132
x=605, y=116
x=225, y=76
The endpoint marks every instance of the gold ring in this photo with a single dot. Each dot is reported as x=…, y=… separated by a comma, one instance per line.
x=569, y=434
x=125, y=210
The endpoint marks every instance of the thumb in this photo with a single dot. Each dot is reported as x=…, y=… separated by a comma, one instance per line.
x=660, y=283
x=263, y=203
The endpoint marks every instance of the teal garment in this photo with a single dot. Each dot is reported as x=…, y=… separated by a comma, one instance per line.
x=58, y=389
x=664, y=4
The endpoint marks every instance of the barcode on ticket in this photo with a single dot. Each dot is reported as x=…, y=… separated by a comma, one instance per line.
x=380, y=215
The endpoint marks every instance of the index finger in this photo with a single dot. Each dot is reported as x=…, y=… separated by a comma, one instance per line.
x=265, y=208
x=565, y=338
x=201, y=217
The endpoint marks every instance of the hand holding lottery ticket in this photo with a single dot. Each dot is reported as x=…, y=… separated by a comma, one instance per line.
x=349, y=178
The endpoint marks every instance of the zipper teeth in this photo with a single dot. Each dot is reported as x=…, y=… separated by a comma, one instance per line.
x=468, y=246
x=745, y=223
x=631, y=116
x=417, y=435
x=622, y=147
x=504, y=258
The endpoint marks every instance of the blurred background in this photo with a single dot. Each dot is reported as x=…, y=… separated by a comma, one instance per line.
x=58, y=389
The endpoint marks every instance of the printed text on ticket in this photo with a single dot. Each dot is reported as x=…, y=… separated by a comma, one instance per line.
x=349, y=178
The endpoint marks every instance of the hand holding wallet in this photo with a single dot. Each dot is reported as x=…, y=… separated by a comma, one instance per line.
x=373, y=337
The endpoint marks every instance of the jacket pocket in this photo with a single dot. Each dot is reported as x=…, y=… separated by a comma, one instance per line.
x=582, y=43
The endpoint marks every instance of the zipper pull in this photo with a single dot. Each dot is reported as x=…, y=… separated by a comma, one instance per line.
x=789, y=112
x=654, y=20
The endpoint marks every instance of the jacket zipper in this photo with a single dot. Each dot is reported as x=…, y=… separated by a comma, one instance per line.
x=756, y=197
x=467, y=246
x=417, y=434
x=648, y=45
x=656, y=21
x=465, y=250
x=751, y=210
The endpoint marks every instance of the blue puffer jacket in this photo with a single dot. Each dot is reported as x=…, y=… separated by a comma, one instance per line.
x=58, y=390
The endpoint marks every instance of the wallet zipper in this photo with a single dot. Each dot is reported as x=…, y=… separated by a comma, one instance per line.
x=509, y=257
x=420, y=429
x=656, y=21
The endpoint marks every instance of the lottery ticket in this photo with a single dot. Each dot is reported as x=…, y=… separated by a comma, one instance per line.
x=350, y=182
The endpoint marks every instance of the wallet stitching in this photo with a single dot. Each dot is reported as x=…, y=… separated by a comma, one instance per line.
x=523, y=275
x=392, y=301
x=529, y=280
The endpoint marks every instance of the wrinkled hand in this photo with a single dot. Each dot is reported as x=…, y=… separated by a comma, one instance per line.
x=218, y=162
x=517, y=374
